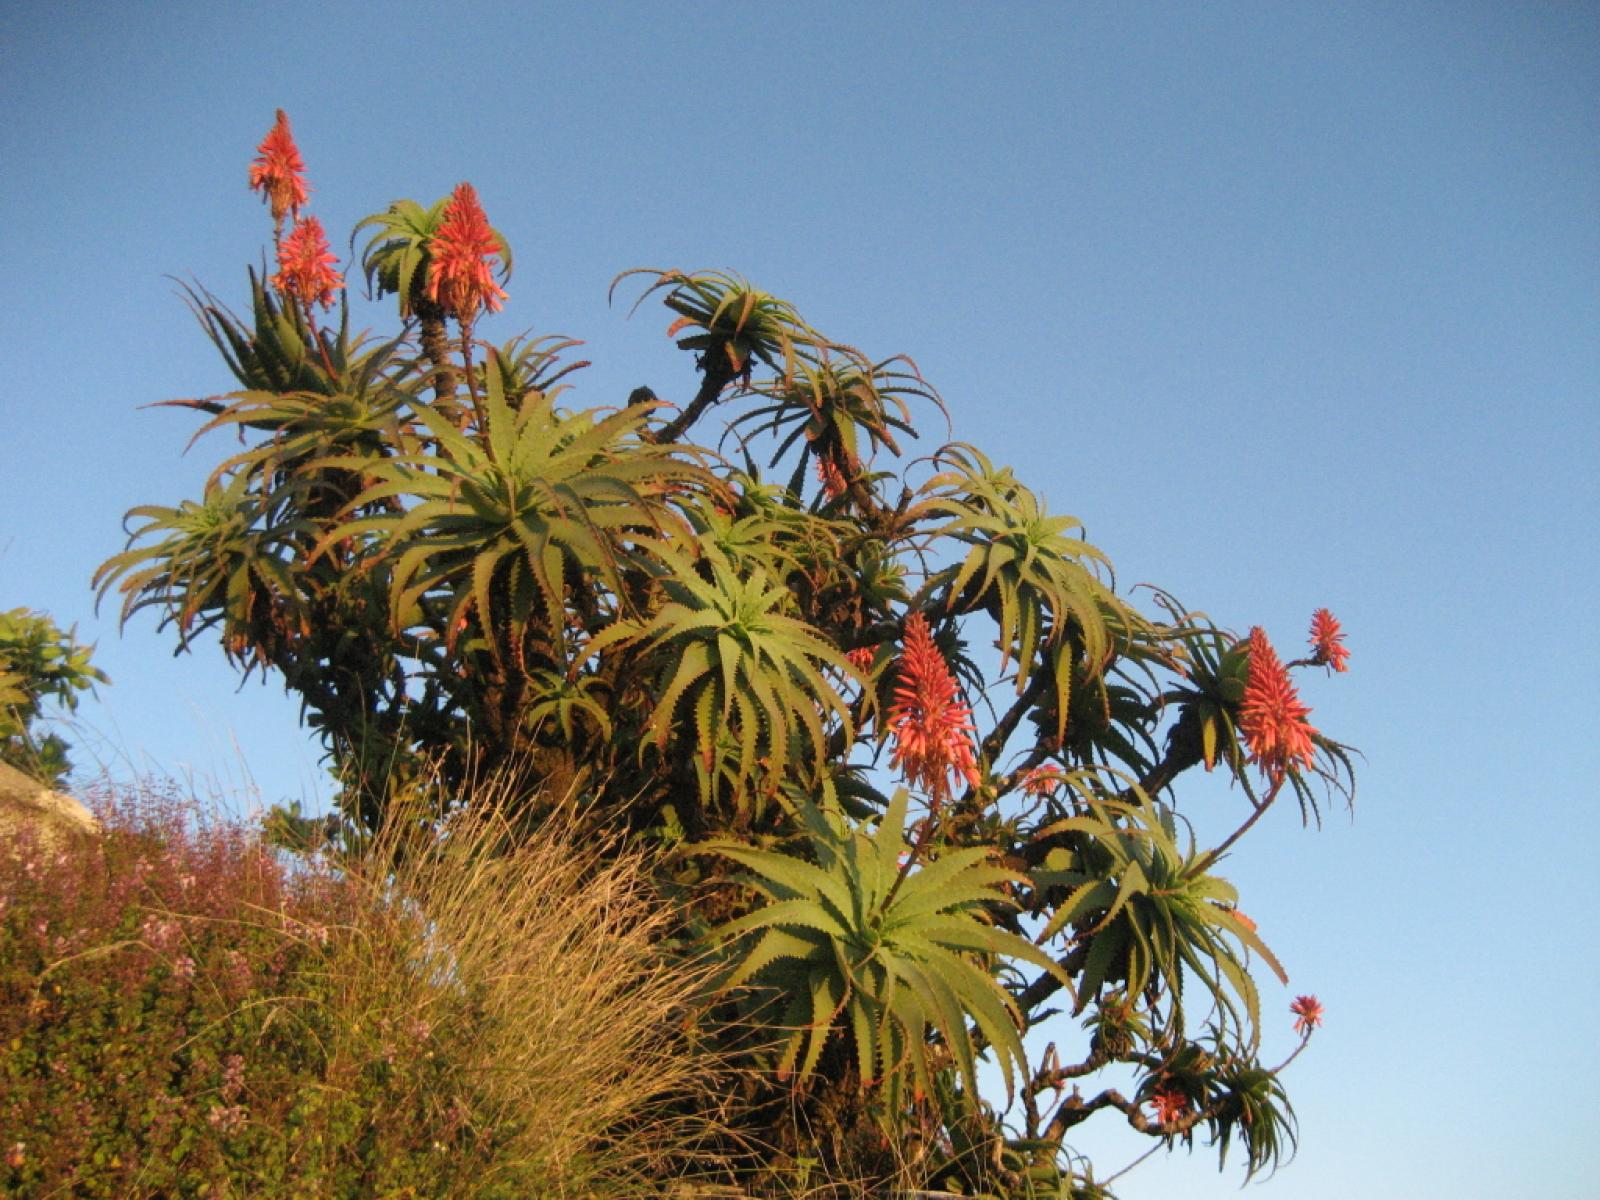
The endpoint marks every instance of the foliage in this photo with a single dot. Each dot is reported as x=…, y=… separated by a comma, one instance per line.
x=1147, y=911
x=732, y=655
x=39, y=664
x=182, y=1015
x=854, y=934
x=458, y=566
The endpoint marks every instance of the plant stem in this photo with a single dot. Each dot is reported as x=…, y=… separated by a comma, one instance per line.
x=466, y=369
x=1205, y=863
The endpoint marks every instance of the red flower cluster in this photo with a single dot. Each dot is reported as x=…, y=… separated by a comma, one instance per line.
x=1042, y=781
x=831, y=477
x=1307, y=1012
x=1327, y=641
x=306, y=265
x=861, y=657
x=932, y=728
x=459, y=278
x=278, y=172
x=1272, y=718
x=1170, y=1104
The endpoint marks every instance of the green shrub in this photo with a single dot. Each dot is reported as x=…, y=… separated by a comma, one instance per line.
x=39, y=663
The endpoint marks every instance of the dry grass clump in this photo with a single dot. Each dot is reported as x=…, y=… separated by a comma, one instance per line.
x=540, y=961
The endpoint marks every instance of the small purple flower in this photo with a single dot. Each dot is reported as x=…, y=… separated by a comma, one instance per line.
x=227, y=1119
x=159, y=934
x=232, y=1077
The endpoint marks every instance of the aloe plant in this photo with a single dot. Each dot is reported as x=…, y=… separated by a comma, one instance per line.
x=1146, y=911
x=865, y=942
x=919, y=767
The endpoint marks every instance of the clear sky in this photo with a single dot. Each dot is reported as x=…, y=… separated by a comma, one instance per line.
x=1293, y=305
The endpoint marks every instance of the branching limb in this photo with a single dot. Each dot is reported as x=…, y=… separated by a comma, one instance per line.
x=1075, y=1110
x=1053, y=1078
x=992, y=746
x=718, y=374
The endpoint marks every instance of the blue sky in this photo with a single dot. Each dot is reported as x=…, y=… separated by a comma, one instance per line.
x=1293, y=305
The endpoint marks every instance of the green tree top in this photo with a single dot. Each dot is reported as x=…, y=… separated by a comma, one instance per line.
x=40, y=664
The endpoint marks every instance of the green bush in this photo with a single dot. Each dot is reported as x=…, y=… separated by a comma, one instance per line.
x=39, y=663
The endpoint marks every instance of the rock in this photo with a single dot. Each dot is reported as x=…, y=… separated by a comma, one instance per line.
x=58, y=821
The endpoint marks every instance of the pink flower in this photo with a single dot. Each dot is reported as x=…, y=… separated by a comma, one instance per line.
x=227, y=1119
x=278, y=172
x=305, y=265
x=1272, y=718
x=459, y=278
x=232, y=1077
x=1307, y=1012
x=1170, y=1104
x=1327, y=641
x=932, y=728
x=240, y=975
x=160, y=934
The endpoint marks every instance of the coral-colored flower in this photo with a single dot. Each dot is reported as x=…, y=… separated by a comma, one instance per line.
x=1272, y=718
x=831, y=477
x=459, y=278
x=1327, y=641
x=932, y=728
x=1307, y=1012
x=278, y=172
x=305, y=265
x=1170, y=1104
x=1042, y=781
x=861, y=658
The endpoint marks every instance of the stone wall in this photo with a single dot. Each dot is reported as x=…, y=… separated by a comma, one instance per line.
x=59, y=821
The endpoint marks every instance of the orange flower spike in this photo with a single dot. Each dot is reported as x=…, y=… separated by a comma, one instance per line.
x=459, y=278
x=279, y=173
x=305, y=265
x=931, y=726
x=1307, y=1012
x=1327, y=641
x=1272, y=718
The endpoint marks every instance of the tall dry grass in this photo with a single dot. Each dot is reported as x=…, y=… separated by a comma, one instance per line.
x=539, y=959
